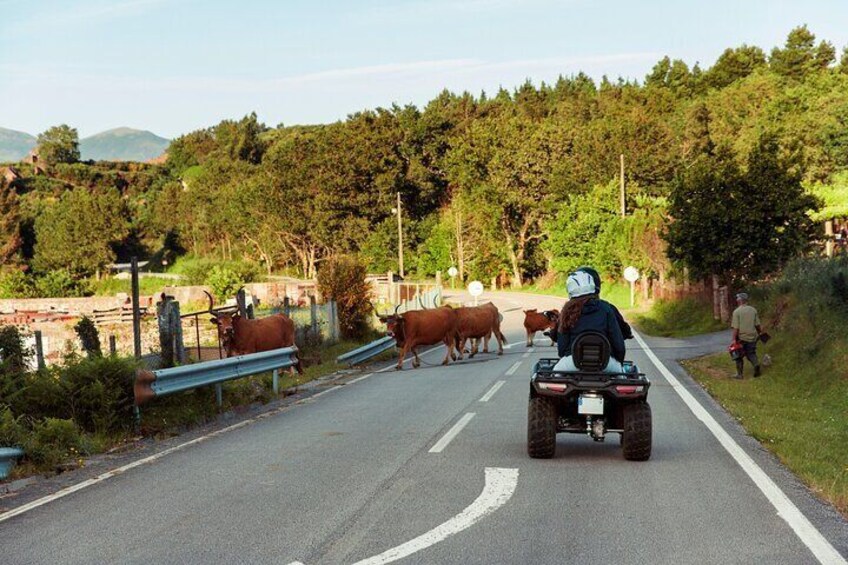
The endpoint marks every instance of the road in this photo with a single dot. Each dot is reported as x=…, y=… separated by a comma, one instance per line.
x=429, y=465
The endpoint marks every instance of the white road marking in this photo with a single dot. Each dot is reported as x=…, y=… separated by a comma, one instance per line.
x=511, y=370
x=803, y=528
x=511, y=345
x=115, y=472
x=452, y=433
x=492, y=391
x=322, y=393
x=357, y=379
x=500, y=486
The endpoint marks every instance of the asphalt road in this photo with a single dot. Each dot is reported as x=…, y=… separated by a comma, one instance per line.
x=397, y=463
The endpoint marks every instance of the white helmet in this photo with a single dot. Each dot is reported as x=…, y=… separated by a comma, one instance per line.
x=580, y=283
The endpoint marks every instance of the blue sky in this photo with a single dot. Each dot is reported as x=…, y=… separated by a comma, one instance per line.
x=171, y=66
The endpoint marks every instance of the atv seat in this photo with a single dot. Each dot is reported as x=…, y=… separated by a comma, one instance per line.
x=591, y=352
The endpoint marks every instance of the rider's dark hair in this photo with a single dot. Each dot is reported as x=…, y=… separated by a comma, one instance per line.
x=572, y=310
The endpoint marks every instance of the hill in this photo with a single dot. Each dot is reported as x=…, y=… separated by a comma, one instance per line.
x=123, y=144
x=14, y=145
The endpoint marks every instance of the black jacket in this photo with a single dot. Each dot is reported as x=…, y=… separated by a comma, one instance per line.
x=597, y=316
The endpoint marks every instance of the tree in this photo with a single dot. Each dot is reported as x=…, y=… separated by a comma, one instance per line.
x=10, y=219
x=739, y=223
x=734, y=64
x=242, y=139
x=801, y=56
x=59, y=144
x=843, y=61
x=77, y=232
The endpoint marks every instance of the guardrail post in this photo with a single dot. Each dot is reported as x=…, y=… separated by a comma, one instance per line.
x=276, y=380
x=39, y=350
x=287, y=306
x=219, y=395
x=333, y=316
x=136, y=312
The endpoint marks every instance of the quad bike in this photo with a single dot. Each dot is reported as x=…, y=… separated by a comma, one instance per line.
x=589, y=401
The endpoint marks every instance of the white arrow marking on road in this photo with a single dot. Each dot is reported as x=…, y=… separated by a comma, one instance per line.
x=799, y=523
x=500, y=486
x=492, y=391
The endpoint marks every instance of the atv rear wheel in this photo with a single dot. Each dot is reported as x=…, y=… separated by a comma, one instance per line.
x=636, y=439
x=541, y=428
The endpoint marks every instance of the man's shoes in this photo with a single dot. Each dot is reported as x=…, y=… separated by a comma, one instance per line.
x=757, y=371
x=738, y=376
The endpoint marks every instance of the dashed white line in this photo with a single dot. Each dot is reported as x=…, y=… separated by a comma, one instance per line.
x=486, y=397
x=511, y=370
x=452, y=433
x=803, y=528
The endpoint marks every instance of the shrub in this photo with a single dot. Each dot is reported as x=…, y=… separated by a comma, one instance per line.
x=14, y=358
x=88, y=335
x=12, y=431
x=98, y=393
x=343, y=279
x=224, y=282
x=54, y=440
x=16, y=284
x=58, y=284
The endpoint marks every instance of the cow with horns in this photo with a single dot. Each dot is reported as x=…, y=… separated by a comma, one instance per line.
x=422, y=327
x=241, y=336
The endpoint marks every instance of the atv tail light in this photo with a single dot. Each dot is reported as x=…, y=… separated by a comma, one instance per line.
x=553, y=387
x=628, y=389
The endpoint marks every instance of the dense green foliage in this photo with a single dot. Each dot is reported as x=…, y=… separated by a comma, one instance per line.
x=511, y=186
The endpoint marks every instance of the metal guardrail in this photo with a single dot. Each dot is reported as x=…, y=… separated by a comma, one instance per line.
x=151, y=384
x=8, y=457
x=367, y=351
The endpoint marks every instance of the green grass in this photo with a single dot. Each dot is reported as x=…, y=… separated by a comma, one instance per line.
x=679, y=318
x=799, y=412
x=146, y=285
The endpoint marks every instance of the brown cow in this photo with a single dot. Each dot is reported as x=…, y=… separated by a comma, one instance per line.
x=422, y=327
x=241, y=336
x=476, y=323
x=538, y=322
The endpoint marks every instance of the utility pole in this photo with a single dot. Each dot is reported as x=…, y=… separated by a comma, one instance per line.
x=623, y=200
x=400, y=237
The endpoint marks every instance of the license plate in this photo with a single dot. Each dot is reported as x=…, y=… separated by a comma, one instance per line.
x=590, y=404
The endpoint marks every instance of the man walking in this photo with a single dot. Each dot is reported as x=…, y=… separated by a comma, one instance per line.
x=746, y=330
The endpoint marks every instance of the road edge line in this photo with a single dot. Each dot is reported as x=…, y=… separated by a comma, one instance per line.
x=445, y=440
x=786, y=509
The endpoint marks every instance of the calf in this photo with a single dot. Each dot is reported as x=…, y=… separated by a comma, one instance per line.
x=535, y=321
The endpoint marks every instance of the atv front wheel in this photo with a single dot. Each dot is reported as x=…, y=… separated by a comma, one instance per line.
x=636, y=439
x=541, y=428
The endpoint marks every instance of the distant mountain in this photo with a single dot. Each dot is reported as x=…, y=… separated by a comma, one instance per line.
x=14, y=145
x=123, y=144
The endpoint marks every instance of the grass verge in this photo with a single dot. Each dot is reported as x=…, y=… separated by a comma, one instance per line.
x=679, y=318
x=797, y=413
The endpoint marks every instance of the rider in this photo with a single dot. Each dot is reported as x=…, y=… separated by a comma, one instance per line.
x=584, y=312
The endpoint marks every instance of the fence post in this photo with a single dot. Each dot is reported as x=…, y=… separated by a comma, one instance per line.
x=166, y=336
x=136, y=312
x=219, y=395
x=240, y=300
x=39, y=350
x=390, y=281
x=113, y=345
x=287, y=306
x=177, y=331
x=313, y=314
x=333, y=319
x=725, y=311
